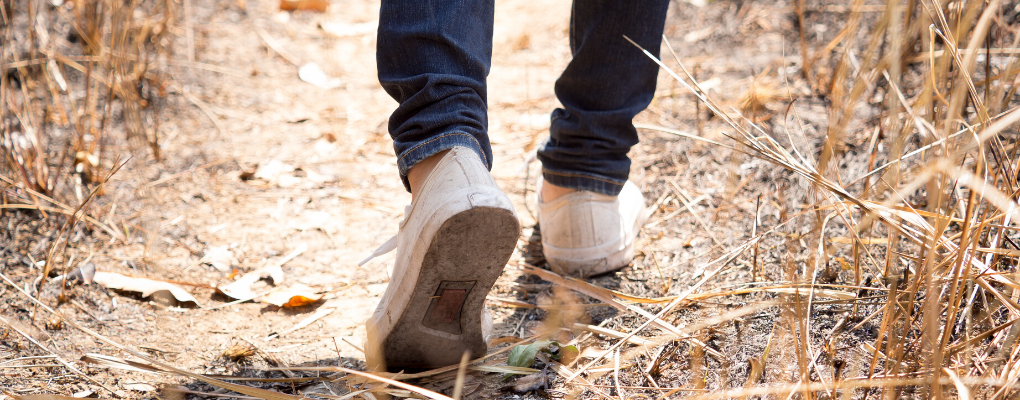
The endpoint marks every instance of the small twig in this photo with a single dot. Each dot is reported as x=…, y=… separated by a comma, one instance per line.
x=180, y=174
x=189, y=31
x=69, y=225
x=81, y=307
x=28, y=358
x=356, y=347
x=636, y=340
x=690, y=207
x=276, y=47
x=200, y=104
x=754, y=232
x=307, y=321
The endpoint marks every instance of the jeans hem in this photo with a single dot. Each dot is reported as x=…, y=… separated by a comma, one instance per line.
x=411, y=157
x=581, y=181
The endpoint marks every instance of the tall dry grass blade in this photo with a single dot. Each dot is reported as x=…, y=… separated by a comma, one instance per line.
x=458, y=385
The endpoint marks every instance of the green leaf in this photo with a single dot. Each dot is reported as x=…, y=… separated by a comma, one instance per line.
x=523, y=355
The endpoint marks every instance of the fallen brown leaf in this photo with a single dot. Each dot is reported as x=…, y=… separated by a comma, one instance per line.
x=296, y=296
x=504, y=339
x=242, y=287
x=55, y=324
x=313, y=73
x=304, y=5
x=163, y=292
x=343, y=29
x=536, y=381
x=239, y=351
x=139, y=387
x=220, y=257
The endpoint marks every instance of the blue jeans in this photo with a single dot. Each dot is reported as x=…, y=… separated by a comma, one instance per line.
x=434, y=55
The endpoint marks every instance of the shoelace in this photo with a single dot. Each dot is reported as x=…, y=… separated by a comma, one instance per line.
x=390, y=244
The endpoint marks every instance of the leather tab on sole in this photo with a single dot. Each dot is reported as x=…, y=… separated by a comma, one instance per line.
x=445, y=309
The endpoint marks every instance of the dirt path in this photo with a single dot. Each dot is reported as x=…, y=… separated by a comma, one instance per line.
x=344, y=200
x=263, y=163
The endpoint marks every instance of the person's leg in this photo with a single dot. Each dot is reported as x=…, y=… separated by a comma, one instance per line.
x=589, y=213
x=607, y=83
x=460, y=229
x=433, y=58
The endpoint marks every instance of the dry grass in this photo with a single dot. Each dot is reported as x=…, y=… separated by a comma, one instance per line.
x=949, y=268
x=78, y=77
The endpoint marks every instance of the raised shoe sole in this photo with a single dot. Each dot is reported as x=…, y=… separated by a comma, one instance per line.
x=442, y=318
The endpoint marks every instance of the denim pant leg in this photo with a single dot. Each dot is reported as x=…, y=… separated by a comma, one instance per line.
x=606, y=84
x=433, y=57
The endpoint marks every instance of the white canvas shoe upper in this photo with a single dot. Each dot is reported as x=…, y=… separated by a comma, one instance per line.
x=586, y=233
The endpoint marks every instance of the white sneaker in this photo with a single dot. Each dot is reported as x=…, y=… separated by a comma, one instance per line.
x=586, y=233
x=453, y=243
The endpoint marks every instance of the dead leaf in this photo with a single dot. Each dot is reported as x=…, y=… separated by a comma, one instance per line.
x=757, y=367
x=273, y=169
x=754, y=102
x=699, y=35
x=314, y=74
x=242, y=287
x=83, y=274
x=139, y=387
x=304, y=5
x=55, y=323
x=470, y=389
x=239, y=351
x=342, y=29
x=296, y=296
x=163, y=292
x=275, y=172
x=247, y=175
x=536, y=381
x=220, y=257
x=504, y=339
x=83, y=393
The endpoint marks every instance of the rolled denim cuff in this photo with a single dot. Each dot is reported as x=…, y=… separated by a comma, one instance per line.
x=436, y=145
x=582, y=181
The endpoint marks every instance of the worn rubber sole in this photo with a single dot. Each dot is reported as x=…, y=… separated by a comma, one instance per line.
x=443, y=317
